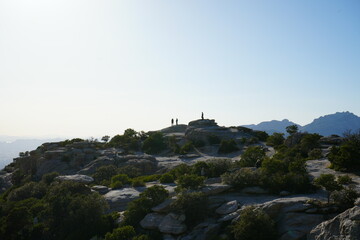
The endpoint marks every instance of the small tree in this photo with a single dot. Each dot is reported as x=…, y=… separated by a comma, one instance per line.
x=251, y=156
x=328, y=182
x=105, y=138
x=275, y=140
x=292, y=129
x=254, y=224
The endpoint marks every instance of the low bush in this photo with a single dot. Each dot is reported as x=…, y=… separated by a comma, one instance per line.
x=316, y=153
x=193, y=205
x=137, y=183
x=254, y=224
x=244, y=177
x=344, y=198
x=154, y=144
x=167, y=178
x=190, y=181
x=123, y=233
x=344, y=179
x=186, y=148
x=228, y=146
x=251, y=156
x=138, y=208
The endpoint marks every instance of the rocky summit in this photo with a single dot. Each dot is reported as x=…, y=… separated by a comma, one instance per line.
x=184, y=182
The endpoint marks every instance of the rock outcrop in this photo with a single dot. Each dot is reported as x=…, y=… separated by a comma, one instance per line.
x=75, y=178
x=173, y=224
x=118, y=199
x=345, y=226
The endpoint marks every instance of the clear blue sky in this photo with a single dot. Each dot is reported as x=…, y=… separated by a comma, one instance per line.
x=89, y=68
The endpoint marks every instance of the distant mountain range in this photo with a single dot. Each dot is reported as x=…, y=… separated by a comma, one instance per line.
x=337, y=123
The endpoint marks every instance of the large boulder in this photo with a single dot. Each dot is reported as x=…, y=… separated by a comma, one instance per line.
x=203, y=231
x=164, y=206
x=118, y=199
x=152, y=221
x=75, y=178
x=213, y=189
x=293, y=222
x=227, y=208
x=345, y=226
x=92, y=166
x=173, y=224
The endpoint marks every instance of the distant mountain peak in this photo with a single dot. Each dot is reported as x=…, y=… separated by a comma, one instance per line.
x=337, y=123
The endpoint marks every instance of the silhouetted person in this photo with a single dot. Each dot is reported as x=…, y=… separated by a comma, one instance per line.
x=176, y=121
x=172, y=121
x=202, y=115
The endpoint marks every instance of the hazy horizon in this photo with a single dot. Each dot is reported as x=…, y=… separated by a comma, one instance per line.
x=92, y=68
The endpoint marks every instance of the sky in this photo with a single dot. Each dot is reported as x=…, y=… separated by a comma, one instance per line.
x=81, y=68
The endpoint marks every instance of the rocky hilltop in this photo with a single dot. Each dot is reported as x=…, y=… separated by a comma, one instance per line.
x=222, y=171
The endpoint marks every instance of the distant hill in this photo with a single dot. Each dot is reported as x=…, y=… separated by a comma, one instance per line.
x=272, y=126
x=10, y=150
x=336, y=123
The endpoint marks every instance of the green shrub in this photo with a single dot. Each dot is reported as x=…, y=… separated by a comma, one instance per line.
x=254, y=224
x=316, y=153
x=327, y=181
x=228, y=146
x=217, y=167
x=130, y=170
x=49, y=177
x=148, y=178
x=309, y=142
x=123, y=178
x=251, y=156
x=261, y=135
x=138, y=208
x=180, y=170
x=154, y=144
x=121, y=233
x=129, y=141
x=137, y=183
x=344, y=179
x=167, y=178
x=28, y=190
x=344, y=198
x=104, y=173
x=141, y=237
x=186, y=148
x=244, y=177
x=190, y=181
x=346, y=157
x=75, y=211
x=193, y=205
x=275, y=140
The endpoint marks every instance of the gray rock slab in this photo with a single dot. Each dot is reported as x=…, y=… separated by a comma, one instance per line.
x=152, y=221
x=227, y=208
x=118, y=199
x=172, y=224
x=75, y=178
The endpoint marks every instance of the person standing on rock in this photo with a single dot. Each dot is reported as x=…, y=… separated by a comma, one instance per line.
x=176, y=122
x=172, y=121
x=202, y=115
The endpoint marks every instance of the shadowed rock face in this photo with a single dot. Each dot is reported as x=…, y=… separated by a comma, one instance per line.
x=344, y=226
